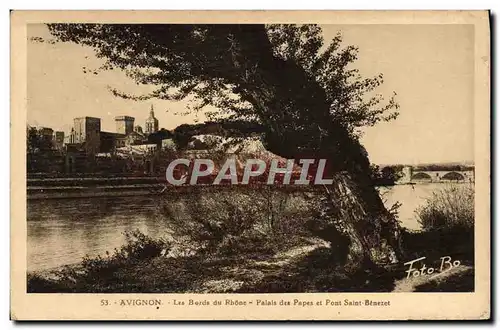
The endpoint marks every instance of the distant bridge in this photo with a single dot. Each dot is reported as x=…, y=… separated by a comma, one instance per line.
x=418, y=176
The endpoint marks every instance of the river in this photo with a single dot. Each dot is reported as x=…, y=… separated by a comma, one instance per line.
x=63, y=231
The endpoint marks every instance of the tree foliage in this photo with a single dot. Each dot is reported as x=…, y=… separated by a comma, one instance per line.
x=387, y=175
x=37, y=142
x=199, y=61
x=348, y=93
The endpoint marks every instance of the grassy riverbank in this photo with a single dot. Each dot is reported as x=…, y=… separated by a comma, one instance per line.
x=270, y=251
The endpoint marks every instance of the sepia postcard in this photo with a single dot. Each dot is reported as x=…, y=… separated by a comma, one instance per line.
x=250, y=165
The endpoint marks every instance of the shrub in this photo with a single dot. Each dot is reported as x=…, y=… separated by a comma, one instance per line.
x=240, y=220
x=449, y=208
x=37, y=283
x=102, y=274
x=138, y=247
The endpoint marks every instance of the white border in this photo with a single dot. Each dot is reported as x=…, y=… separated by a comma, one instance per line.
x=187, y=4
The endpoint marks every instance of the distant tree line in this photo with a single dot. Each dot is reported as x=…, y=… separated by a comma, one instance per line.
x=443, y=167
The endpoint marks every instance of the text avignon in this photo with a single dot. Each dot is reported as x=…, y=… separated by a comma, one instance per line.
x=140, y=302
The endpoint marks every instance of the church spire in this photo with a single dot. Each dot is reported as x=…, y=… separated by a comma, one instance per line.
x=151, y=122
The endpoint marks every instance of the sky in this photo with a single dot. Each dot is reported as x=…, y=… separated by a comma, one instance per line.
x=430, y=67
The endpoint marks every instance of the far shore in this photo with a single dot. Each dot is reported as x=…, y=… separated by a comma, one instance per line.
x=117, y=186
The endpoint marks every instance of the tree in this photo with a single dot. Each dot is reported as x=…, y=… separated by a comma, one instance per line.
x=158, y=137
x=386, y=176
x=392, y=173
x=309, y=101
x=41, y=155
x=37, y=142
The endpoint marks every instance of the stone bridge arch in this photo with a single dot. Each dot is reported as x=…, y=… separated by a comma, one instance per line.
x=421, y=176
x=455, y=176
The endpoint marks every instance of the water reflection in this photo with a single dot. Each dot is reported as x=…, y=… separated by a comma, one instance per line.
x=411, y=198
x=63, y=231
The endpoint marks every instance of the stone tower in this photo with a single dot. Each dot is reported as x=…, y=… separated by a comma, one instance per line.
x=124, y=124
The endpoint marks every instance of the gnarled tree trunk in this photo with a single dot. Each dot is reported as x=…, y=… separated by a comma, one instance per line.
x=295, y=110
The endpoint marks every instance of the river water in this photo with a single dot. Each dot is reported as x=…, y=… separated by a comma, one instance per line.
x=65, y=230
